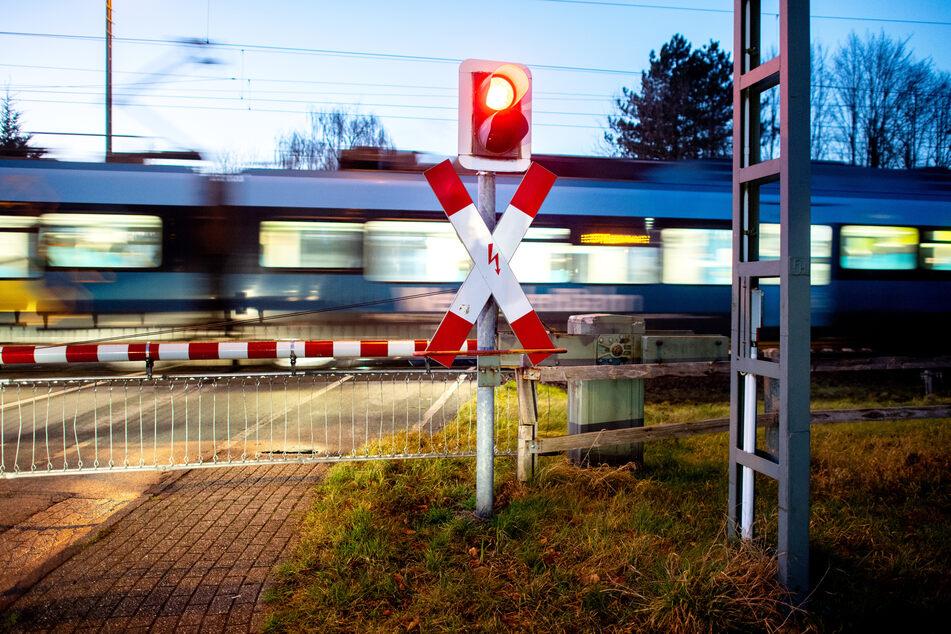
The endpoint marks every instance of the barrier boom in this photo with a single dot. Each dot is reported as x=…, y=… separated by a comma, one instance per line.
x=211, y=350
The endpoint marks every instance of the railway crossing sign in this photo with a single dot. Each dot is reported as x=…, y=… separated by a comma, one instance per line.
x=491, y=252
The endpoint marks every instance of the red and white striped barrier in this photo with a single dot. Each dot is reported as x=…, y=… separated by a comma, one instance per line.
x=491, y=253
x=103, y=353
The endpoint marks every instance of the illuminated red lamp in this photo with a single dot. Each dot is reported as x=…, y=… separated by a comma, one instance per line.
x=495, y=116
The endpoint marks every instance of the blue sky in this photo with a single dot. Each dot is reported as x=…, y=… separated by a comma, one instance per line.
x=398, y=60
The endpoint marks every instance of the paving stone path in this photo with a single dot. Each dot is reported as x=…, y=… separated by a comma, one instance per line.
x=195, y=556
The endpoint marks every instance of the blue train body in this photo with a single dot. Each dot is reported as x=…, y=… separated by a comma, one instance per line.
x=612, y=236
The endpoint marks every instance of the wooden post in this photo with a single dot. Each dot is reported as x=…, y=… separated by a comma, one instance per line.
x=527, y=425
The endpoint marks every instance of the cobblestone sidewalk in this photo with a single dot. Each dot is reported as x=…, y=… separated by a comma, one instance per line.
x=195, y=557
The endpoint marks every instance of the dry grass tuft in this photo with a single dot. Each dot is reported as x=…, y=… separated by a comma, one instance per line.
x=395, y=545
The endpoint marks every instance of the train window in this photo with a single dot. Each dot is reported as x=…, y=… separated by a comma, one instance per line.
x=544, y=257
x=399, y=251
x=431, y=252
x=121, y=241
x=617, y=265
x=697, y=256
x=935, y=250
x=317, y=245
x=17, y=247
x=820, y=249
x=879, y=248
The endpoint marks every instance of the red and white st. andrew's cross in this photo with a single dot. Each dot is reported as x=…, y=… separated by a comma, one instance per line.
x=491, y=252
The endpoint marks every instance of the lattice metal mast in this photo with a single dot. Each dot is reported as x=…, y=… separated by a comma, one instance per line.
x=787, y=460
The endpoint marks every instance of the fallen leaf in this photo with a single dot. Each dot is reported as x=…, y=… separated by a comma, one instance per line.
x=473, y=552
x=413, y=624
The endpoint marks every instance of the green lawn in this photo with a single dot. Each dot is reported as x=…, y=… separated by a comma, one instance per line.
x=395, y=545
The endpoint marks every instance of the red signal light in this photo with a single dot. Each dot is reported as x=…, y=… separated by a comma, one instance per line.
x=499, y=93
x=494, y=116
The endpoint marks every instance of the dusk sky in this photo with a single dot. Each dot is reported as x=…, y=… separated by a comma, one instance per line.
x=398, y=60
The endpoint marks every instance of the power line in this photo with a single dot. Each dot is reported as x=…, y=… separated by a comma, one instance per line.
x=99, y=134
x=452, y=107
x=631, y=5
x=311, y=51
x=250, y=108
x=628, y=5
x=577, y=96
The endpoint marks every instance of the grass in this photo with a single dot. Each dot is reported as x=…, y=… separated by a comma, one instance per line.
x=395, y=545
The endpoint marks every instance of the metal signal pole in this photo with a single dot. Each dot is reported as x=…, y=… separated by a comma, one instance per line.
x=485, y=396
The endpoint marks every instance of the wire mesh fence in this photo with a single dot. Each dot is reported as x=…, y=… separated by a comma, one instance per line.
x=94, y=424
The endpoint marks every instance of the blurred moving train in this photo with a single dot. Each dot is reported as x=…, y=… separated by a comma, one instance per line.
x=613, y=235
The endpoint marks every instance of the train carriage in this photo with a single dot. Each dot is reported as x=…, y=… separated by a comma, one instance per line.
x=653, y=238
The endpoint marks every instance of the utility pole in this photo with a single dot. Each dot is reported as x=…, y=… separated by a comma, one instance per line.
x=108, y=80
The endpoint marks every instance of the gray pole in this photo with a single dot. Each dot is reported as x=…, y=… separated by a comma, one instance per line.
x=108, y=80
x=485, y=396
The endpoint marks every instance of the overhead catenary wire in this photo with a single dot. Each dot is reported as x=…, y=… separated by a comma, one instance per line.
x=307, y=51
x=252, y=104
x=813, y=16
x=257, y=80
x=278, y=111
x=453, y=107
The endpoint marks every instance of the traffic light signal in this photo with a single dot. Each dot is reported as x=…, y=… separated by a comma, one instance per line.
x=495, y=116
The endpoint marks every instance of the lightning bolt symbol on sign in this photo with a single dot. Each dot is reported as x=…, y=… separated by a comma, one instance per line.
x=484, y=280
x=494, y=258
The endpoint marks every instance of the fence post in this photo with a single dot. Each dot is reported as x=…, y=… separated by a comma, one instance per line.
x=527, y=424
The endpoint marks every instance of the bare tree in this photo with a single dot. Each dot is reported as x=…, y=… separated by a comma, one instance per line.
x=769, y=124
x=319, y=147
x=880, y=96
x=940, y=129
x=916, y=93
x=820, y=120
x=820, y=115
x=888, y=64
x=849, y=85
x=769, y=117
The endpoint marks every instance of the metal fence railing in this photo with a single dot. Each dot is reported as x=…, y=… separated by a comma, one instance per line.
x=101, y=424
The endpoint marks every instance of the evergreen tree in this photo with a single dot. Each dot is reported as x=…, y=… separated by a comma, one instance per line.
x=13, y=142
x=684, y=109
